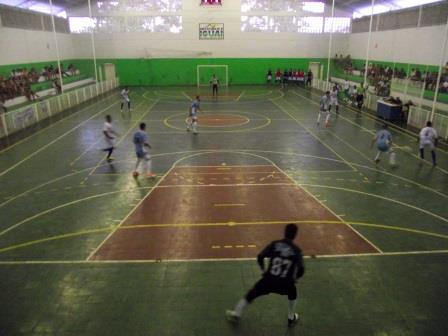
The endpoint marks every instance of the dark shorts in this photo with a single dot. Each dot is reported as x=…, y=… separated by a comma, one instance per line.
x=267, y=285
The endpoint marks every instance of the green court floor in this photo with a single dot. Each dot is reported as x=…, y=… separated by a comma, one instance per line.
x=59, y=200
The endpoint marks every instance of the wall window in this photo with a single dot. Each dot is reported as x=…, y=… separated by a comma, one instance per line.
x=282, y=24
x=311, y=24
x=163, y=6
x=81, y=24
x=132, y=24
x=337, y=25
x=282, y=5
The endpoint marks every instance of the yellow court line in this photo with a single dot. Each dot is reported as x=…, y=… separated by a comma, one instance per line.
x=54, y=124
x=124, y=135
x=228, y=204
x=312, y=133
x=54, y=141
x=98, y=230
x=26, y=220
x=365, y=129
x=267, y=122
x=377, y=196
x=373, y=118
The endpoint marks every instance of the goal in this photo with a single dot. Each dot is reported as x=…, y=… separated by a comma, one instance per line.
x=205, y=73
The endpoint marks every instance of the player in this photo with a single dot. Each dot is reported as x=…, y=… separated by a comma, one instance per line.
x=109, y=137
x=383, y=141
x=215, y=83
x=360, y=96
x=125, y=98
x=346, y=89
x=334, y=98
x=193, y=115
x=428, y=138
x=142, y=145
x=324, y=109
x=285, y=268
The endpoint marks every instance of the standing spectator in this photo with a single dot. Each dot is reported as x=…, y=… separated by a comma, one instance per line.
x=278, y=76
x=309, y=78
x=269, y=76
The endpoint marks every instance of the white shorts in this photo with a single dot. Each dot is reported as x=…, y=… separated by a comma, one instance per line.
x=269, y=77
x=427, y=143
x=109, y=142
x=334, y=102
x=277, y=78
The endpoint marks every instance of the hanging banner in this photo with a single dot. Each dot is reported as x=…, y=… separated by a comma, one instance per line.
x=211, y=31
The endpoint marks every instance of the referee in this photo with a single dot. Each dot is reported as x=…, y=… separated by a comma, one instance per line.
x=214, y=83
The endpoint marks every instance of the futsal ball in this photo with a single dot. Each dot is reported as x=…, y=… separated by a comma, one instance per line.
x=382, y=146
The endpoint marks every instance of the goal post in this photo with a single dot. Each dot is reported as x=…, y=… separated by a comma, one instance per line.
x=205, y=73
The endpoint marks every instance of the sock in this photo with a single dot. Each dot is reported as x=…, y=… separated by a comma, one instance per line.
x=291, y=308
x=121, y=106
x=377, y=155
x=318, y=118
x=110, y=150
x=327, y=119
x=422, y=153
x=139, y=160
x=149, y=166
x=129, y=105
x=194, y=126
x=433, y=154
x=240, y=307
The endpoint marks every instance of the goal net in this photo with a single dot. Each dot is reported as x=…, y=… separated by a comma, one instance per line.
x=206, y=72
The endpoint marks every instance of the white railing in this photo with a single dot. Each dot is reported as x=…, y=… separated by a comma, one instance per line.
x=418, y=117
x=21, y=118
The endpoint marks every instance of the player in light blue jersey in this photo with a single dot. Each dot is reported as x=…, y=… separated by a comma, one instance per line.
x=383, y=140
x=141, y=142
x=192, y=121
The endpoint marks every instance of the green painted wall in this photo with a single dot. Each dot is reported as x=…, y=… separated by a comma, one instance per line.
x=175, y=71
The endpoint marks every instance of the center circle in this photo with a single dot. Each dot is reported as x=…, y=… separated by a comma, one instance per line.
x=222, y=120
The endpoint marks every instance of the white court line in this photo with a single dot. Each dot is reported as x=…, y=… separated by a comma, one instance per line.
x=188, y=97
x=55, y=140
x=239, y=97
x=129, y=214
x=155, y=261
x=123, y=137
x=54, y=124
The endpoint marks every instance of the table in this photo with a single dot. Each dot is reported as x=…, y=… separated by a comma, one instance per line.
x=388, y=111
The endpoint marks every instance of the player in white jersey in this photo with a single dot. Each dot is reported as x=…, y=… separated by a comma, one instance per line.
x=334, y=98
x=193, y=115
x=383, y=141
x=109, y=138
x=125, y=98
x=428, y=138
x=324, y=109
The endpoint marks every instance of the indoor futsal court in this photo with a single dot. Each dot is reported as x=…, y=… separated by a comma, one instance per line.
x=90, y=245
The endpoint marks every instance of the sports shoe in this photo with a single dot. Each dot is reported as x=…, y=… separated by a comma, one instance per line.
x=294, y=320
x=135, y=174
x=232, y=316
x=377, y=161
x=110, y=159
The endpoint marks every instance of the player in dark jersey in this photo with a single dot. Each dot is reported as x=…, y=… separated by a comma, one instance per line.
x=284, y=269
